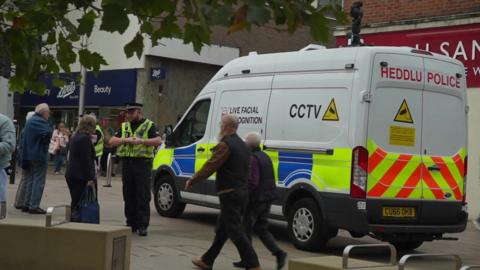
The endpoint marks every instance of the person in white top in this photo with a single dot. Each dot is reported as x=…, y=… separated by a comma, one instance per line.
x=58, y=146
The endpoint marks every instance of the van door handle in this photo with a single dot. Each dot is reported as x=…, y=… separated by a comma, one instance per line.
x=201, y=149
x=434, y=168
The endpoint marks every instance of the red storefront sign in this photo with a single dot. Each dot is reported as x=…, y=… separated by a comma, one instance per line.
x=460, y=42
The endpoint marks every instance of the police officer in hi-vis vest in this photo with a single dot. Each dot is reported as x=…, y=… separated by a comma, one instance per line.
x=99, y=143
x=136, y=141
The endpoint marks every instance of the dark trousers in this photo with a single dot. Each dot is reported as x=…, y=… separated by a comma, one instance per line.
x=256, y=220
x=103, y=160
x=136, y=174
x=76, y=188
x=229, y=226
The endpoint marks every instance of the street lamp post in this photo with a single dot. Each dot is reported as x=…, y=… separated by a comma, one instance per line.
x=83, y=79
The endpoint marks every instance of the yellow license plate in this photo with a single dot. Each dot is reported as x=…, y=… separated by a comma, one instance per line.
x=398, y=212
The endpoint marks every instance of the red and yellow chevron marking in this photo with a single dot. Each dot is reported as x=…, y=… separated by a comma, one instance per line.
x=406, y=176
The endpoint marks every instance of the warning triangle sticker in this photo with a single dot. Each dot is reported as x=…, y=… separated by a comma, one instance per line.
x=403, y=114
x=331, y=114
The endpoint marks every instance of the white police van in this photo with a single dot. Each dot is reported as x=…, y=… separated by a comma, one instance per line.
x=372, y=140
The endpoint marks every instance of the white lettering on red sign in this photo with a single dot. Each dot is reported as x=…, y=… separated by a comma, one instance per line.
x=405, y=74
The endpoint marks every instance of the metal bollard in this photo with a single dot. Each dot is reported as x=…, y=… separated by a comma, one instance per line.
x=108, y=180
x=405, y=258
x=3, y=210
x=346, y=254
x=51, y=209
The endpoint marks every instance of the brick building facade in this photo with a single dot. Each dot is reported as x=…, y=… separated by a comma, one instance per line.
x=384, y=11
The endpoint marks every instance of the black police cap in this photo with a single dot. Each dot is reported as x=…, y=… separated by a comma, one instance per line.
x=133, y=106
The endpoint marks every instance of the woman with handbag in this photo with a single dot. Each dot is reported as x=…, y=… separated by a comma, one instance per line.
x=80, y=171
x=58, y=146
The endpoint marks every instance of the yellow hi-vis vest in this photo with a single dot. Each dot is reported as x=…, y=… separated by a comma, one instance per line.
x=139, y=150
x=99, y=144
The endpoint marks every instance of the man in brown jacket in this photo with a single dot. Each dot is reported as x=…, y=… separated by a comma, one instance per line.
x=230, y=160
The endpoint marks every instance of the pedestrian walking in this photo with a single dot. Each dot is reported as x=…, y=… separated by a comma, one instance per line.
x=261, y=193
x=80, y=170
x=231, y=160
x=7, y=147
x=20, y=202
x=35, y=141
x=136, y=141
x=58, y=146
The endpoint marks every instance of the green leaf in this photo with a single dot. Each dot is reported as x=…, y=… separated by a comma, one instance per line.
x=37, y=87
x=41, y=19
x=65, y=54
x=91, y=60
x=146, y=27
x=168, y=28
x=197, y=35
x=221, y=16
x=52, y=37
x=50, y=65
x=17, y=83
x=114, y=19
x=319, y=28
x=258, y=15
x=71, y=30
x=58, y=83
x=134, y=46
x=86, y=23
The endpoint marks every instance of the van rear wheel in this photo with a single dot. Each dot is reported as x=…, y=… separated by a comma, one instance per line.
x=306, y=226
x=167, y=201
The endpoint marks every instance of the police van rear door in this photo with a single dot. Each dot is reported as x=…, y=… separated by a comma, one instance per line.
x=394, y=139
x=444, y=142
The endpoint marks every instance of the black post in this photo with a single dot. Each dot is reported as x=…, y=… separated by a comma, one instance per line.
x=356, y=12
x=13, y=161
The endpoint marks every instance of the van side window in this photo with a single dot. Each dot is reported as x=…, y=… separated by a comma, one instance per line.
x=193, y=125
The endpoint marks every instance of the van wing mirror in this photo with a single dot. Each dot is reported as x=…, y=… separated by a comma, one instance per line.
x=168, y=136
x=168, y=130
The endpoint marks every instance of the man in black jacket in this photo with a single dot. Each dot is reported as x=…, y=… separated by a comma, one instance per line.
x=231, y=162
x=261, y=194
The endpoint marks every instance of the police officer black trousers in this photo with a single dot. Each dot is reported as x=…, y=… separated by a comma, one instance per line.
x=136, y=174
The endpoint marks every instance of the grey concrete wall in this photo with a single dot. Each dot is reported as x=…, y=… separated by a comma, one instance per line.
x=165, y=99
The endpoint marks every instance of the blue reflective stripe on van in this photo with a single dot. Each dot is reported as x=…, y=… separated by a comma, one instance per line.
x=184, y=161
x=294, y=166
x=185, y=151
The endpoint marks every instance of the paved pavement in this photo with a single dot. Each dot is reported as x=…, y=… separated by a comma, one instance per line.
x=172, y=242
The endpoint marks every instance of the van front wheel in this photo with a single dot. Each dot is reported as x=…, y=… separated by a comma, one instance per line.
x=306, y=227
x=166, y=198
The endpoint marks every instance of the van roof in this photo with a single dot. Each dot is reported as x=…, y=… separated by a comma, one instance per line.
x=312, y=59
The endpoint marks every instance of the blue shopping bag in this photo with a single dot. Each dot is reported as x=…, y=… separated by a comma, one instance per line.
x=88, y=207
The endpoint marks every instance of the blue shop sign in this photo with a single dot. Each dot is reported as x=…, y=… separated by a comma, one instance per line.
x=158, y=74
x=110, y=88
